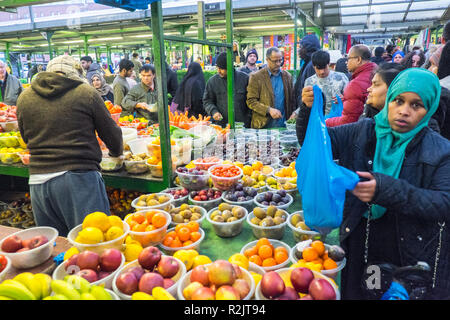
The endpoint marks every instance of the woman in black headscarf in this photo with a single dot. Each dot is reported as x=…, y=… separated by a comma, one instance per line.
x=189, y=96
x=341, y=66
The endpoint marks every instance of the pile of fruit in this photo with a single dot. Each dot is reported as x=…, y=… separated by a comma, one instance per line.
x=40, y=286
x=154, y=270
x=227, y=213
x=268, y=217
x=264, y=254
x=296, y=284
x=146, y=131
x=120, y=201
x=9, y=155
x=151, y=200
x=93, y=266
x=222, y=176
x=220, y=280
x=205, y=194
x=269, y=198
x=239, y=193
x=130, y=121
x=183, y=235
x=128, y=156
x=178, y=193
x=290, y=157
x=146, y=221
x=9, y=139
x=256, y=175
x=13, y=244
x=192, y=179
x=298, y=222
x=315, y=256
x=7, y=113
x=97, y=227
x=185, y=213
x=242, y=261
x=206, y=163
x=113, y=109
x=191, y=258
x=288, y=172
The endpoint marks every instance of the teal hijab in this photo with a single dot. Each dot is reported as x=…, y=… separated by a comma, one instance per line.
x=391, y=145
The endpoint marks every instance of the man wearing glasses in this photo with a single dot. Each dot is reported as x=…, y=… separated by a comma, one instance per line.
x=270, y=93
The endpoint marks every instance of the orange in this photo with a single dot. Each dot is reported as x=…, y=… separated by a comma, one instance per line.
x=139, y=228
x=139, y=218
x=263, y=241
x=167, y=241
x=195, y=236
x=280, y=256
x=184, y=234
x=179, y=226
x=310, y=254
x=158, y=220
x=251, y=252
x=325, y=256
x=149, y=216
x=171, y=234
x=132, y=223
x=269, y=262
x=150, y=228
x=329, y=264
x=319, y=246
x=318, y=261
x=176, y=243
x=187, y=243
x=256, y=260
x=193, y=226
x=265, y=251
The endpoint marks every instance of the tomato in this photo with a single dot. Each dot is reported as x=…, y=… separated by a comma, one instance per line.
x=3, y=262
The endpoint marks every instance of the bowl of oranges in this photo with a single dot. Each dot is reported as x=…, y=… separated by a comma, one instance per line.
x=99, y=232
x=184, y=236
x=269, y=254
x=318, y=256
x=148, y=227
x=286, y=174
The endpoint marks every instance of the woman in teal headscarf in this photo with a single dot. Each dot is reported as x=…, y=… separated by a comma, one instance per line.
x=399, y=213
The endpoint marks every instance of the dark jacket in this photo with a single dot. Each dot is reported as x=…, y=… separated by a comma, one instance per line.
x=58, y=118
x=377, y=60
x=416, y=202
x=11, y=89
x=108, y=97
x=172, y=83
x=215, y=98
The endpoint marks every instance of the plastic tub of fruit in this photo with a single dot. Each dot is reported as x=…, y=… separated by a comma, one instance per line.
x=98, y=247
x=206, y=163
x=197, y=214
x=300, y=232
x=153, y=237
x=195, y=245
x=222, y=227
x=186, y=280
x=285, y=274
x=139, y=145
x=9, y=157
x=136, y=167
x=8, y=126
x=111, y=163
x=160, y=201
x=293, y=192
x=248, y=203
x=275, y=243
x=36, y=256
x=172, y=290
x=267, y=229
x=60, y=272
x=206, y=204
x=225, y=183
x=266, y=202
x=295, y=255
x=192, y=179
x=180, y=195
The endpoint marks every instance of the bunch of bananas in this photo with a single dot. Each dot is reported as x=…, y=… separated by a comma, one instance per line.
x=28, y=286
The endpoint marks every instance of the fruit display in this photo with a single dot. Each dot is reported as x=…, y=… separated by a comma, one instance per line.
x=10, y=155
x=192, y=179
x=206, y=163
x=131, y=121
x=153, y=201
x=191, y=258
x=147, y=220
x=267, y=253
x=241, y=195
x=14, y=243
x=180, y=150
x=136, y=164
x=225, y=176
x=177, y=193
x=226, y=213
x=152, y=269
x=17, y=220
x=205, y=194
x=256, y=175
x=181, y=120
x=242, y=149
x=286, y=174
x=186, y=213
x=300, y=230
x=268, y=222
x=97, y=227
x=113, y=109
x=182, y=236
x=146, y=132
x=220, y=280
x=296, y=284
x=109, y=163
x=9, y=139
x=120, y=201
x=280, y=199
x=8, y=117
x=288, y=158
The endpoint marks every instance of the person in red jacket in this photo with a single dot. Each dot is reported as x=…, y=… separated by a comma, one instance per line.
x=355, y=94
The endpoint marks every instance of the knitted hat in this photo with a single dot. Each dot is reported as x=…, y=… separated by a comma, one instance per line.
x=66, y=65
x=221, y=60
x=252, y=51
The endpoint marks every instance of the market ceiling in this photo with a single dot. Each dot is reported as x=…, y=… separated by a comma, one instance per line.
x=252, y=19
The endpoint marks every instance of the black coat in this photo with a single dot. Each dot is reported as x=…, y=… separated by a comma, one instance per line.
x=172, y=83
x=109, y=96
x=416, y=202
x=305, y=72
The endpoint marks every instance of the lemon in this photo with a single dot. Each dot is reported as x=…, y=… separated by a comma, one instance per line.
x=200, y=260
x=187, y=257
x=70, y=253
x=141, y=296
x=240, y=260
x=115, y=221
x=132, y=251
x=97, y=220
x=129, y=240
x=113, y=233
x=256, y=277
x=90, y=235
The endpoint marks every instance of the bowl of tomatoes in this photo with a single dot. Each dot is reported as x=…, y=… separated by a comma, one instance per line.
x=225, y=176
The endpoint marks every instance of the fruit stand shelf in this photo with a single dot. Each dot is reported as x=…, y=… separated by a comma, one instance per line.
x=120, y=179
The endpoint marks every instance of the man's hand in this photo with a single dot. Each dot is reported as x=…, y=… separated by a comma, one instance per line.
x=275, y=113
x=293, y=116
x=335, y=98
x=217, y=116
x=365, y=190
x=142, y=105
x=308, y=96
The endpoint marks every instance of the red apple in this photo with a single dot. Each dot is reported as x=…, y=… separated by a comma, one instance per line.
x=200, y=274
x=272, y=285
x=241, y=286
x=26, y=243
x=137, y=271
x=110, y=260
x=37, y=241
x=288, y=294
x=88, y=260
x=190, y=288
x=149, y=258
x=168, y=283
x=221, y=272
x=12, y=244
x=127, y=283
x=301, y=278
x=321, y=289
x=203, y=293
x=168, y=266
x=149, y=281
x=227, y=292
x=238, y=271
x=71, y=264
x=88, y=274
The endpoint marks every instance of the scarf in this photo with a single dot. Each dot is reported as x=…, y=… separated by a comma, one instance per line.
x=105, y=88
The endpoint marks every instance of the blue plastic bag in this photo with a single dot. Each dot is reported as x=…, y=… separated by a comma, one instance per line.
x=336, y=109
x=321, y=182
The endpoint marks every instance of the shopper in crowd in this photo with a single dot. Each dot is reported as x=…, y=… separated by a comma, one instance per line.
x=250, y=65
x=428, y=54
x=414, y=59
x=10, y=86
x=59, y=116
x=398, y=56
x=238, y=55
x=308, y=45
x=172, y=82
x=341, y=66
x=137, y=64
x=90, y=66
x=398, y=214
x=355, y=92
x=120, y=83
x=99, y=83
x=147, y=60
x=443, y=74
x=189, y=95
x=331, y=83
x=378, y=56
x=215, y=98
x=434, y=60
x=270, y=93
x=142, y=99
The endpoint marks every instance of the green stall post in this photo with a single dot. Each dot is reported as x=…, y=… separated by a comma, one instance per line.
x=230, y=64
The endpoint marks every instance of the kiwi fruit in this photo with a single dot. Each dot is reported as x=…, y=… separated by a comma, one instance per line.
x=215, y=213
x=226, y=215
x=295, y=219
x=184, y=206
x=218, y=218
x=178, y=218
x=238, y=212
x=260, y=213
x=267, y=222
x=255, y=221
x=186, y=214
x=271, y=210
x=278, y=220
x=302, y=225
x=225, y=206
x=231, y=219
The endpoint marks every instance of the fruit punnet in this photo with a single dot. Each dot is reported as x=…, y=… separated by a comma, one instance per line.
x=278, y=198
x=185, y=213
x=268, y=217
x=316, y=256
x=14, y=244
x=192, y=179
x=239, y=193
x=206, y=194
x=206, y=163
x=182, y=235
x=227, y=213
x=178, y=193
x=264, y=254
